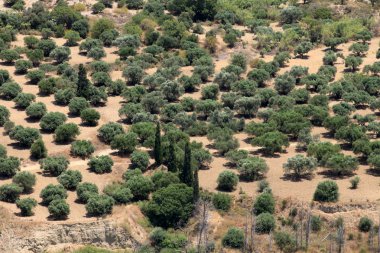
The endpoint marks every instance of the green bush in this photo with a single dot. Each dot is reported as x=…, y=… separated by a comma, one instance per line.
x=101, y=164
x=26, y=180
x=265, y=223
x=327, y=191
x=36, y=110
x=22, y=66
x=90, y=117
x=108, y=131
x=9, y=166
x=51, y=120
x=252, y=168
x=25, y=136
x=119, y=192
x=52, y=192
x=59, y=209
x=163, y=179
x=70, y=179
x=99, y=205
x=85, y=191
x=26, y=206
x=23, y=100
x=171, y=206
x=227, y=181
x=125, y=143
x=54, y=165
x=4, y=115
x=354, y=182
x=365, y=224
x=10, y=192
x=77, y=104
x=10, y=90
x=140, y=187
x=316, y=223
x=140, y=159
x=38, y=150
x=66, y=132
x=264, y=203
x=82, y=148
x=285, y=242
x=234, y=238
x=222, y=201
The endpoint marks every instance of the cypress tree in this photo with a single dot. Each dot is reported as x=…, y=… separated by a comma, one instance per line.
x=196, y=186
x=172, y=165
x=157, y=145
x=83, y=82
x=38, y=149
x=186, y=175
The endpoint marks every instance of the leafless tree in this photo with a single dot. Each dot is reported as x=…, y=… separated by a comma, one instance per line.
x=203, y=224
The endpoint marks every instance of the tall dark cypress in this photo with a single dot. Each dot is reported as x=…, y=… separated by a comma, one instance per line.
x=196, y=186
x=157, y=145
x=186, y=175
x=83, y=82
x=172, y=160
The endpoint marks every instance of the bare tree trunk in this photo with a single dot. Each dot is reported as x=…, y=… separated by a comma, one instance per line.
x=378, y=238
x=203, y=226
x=253, y=231
x=301, y=228
x=270, y=242
x=371, y=239
x=340, y=239
x=308, y=227
x=246, y=237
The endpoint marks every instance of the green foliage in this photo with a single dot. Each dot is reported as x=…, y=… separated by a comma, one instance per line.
x=99, y=205
x=322, y=151
x=125, y=143
x=265, y=223
x=340, y=164
x=22, y=66
x=300, y=165
x=9, y=166
x=354, y=182
x=54, y=165
x=252, y=168
x=108, y=131
x=271, y=142
x=222, y=201
x=327, y=191
x=170, y=206
x=285, y=242
x=100, y=164
x=66, y=132
x=9, y=55
x=234, y=238
x=52, y=192
x=140, y=186
x=26, y=206
x=23, y=100
x=36, y=110
x=25, y=136
x=59, y=209
x=10, y=192
x=119, y=192
x=90, y=116
x=10, y=90
x=365, y=224
x=140, y=159
x=60, y=54
x=85, y=191
x=70, y=179
x=227, y=181
x=82, y=148
x=264, y=203
x=51, y=120
x=26, y=180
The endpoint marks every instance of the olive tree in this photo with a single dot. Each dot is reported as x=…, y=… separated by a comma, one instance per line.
x=300, y=165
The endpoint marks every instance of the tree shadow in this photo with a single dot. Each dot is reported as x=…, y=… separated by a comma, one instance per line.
x=373, y=172
x=331, y=175
x=295, y=178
